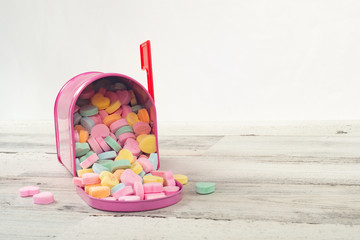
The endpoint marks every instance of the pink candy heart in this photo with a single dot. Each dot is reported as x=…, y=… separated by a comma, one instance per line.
x=43, y=198
x=28, y=191
x=38, y=197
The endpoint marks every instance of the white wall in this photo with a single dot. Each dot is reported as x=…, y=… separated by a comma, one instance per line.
x=212, y=60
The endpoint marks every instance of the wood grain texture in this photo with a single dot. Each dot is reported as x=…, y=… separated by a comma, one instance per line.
x=268, y=187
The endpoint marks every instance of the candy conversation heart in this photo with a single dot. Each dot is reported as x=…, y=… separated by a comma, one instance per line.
x=117, y=149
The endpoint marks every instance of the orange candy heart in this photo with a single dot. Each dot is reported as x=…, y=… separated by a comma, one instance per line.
x=143, y=115
x=111, y=118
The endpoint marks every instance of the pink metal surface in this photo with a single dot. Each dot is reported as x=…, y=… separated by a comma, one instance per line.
x=64, y=107
x=134, y=206
x=64, y=132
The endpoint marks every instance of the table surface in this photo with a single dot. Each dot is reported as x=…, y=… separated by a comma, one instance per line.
x=289, y=181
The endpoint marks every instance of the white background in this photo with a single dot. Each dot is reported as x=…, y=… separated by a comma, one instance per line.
x=212, y=60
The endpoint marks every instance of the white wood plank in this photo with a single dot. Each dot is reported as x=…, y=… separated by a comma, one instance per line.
x=244, y=193
x=174, y=228
x=269, y=186
x=264, y=128
x=279, y=146
x=273, y=128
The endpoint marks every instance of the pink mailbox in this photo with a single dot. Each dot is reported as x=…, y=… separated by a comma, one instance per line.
x=64, y=132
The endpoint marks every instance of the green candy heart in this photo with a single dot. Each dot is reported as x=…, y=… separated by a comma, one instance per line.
x=205, y=187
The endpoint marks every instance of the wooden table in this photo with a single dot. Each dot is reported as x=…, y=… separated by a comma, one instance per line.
x=282, y=181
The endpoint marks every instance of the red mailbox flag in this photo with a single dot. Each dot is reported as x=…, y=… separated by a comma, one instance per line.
x=146, y=64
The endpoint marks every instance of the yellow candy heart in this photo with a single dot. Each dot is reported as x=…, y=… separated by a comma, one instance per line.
x=181, y=178
x=132, y=118
x=83, y=171
x=100, y=101
x=113, y=107
x=141, y=137
x=148, y=144
x=103, y=174
x=125, y=154
x=136, y=167
x=150, y=178
x=109, y=180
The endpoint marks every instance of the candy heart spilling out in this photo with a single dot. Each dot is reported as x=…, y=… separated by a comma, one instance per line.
x=205, y=187
x=115, y=146
x=38, y=197
x=29, y=191
x=43, y=198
